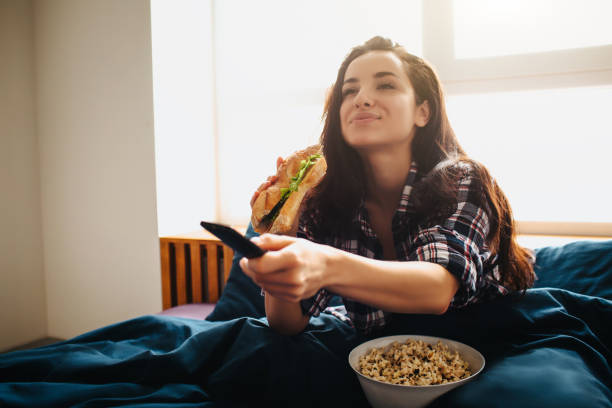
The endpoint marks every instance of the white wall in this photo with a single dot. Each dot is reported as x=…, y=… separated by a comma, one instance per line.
x=79, y=245
x=97, y=161
x=22, y=291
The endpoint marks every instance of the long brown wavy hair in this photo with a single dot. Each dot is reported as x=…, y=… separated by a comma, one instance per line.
x=438, y=154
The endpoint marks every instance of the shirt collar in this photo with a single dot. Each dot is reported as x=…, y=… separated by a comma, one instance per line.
x=404, y=203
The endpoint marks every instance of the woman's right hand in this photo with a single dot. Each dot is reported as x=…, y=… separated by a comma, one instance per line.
x=270, y=181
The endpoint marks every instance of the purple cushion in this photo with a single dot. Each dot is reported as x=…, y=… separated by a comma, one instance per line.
x=192, y=311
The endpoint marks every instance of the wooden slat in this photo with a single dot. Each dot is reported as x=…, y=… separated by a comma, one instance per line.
x=228, y=255
x=181, y=284
x=212, y=273
x=196, y=272
x=194, y=240
x=165, y=272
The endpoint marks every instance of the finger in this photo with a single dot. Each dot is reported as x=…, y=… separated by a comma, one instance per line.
x=273, y=261
x=244, y=265
x=254, y=198
x=249, y=271
x=274, y=282
x=252, y=268
x=263, y=186
x=280, y=263
x=278, y=279
x=273, y=242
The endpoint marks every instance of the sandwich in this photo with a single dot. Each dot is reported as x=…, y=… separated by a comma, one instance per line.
x=276, y=210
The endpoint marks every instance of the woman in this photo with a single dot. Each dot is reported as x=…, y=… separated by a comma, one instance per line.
x=398, y=187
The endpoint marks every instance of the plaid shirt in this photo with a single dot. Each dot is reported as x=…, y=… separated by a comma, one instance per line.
x=458, y=244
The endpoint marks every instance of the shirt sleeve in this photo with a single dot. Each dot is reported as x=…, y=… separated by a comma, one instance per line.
x=458, y=243
x=315, y=305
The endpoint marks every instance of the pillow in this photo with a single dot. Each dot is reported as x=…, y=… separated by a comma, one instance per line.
x=583, y=267
x=241, y=297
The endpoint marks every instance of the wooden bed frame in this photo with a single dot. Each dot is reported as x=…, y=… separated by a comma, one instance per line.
x=194, y=268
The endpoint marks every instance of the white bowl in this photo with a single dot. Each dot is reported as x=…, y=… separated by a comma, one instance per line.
x=385, y=395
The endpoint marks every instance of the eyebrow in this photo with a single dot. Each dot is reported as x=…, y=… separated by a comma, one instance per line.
x=376, y=75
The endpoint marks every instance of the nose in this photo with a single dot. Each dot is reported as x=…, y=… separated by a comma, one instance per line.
x=363, y=99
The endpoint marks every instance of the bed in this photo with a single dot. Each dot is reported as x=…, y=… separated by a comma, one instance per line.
x=551, y=346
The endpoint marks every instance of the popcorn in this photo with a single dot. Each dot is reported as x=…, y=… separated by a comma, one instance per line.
x=414, y=363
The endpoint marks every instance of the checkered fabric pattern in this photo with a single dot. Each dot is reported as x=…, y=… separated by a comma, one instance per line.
x=457, y=243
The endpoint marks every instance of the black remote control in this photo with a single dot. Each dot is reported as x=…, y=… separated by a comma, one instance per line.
x=233, y=239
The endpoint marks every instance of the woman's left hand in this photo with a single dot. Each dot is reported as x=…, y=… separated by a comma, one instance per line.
x=293, y=268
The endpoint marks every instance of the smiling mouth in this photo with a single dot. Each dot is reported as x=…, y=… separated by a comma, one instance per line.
x=365, y=120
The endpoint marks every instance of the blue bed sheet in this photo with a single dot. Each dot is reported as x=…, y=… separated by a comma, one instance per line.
x=551, y=346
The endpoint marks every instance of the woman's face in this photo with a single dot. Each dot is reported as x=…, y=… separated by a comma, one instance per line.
x=378, y=103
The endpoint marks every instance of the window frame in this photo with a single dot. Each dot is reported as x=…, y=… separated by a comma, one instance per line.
x=553, y=69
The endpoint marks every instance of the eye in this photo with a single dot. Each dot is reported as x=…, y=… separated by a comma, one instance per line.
x=386, y=85
x=348, y=91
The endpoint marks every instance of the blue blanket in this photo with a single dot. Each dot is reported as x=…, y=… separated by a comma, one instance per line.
x=551, y=346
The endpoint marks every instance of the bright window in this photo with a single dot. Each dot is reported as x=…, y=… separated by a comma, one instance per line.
x=485, y=28
x=184, y=114
x=548, y=149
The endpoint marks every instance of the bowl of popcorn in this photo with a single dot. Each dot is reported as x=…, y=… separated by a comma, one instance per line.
x=412, y=371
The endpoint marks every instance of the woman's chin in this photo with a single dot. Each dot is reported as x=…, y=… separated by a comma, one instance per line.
x=373, y=144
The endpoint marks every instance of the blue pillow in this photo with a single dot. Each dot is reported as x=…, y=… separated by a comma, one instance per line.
x=241, y=297
x=583, y=267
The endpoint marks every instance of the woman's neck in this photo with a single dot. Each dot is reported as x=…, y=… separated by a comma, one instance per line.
x=386, y=173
